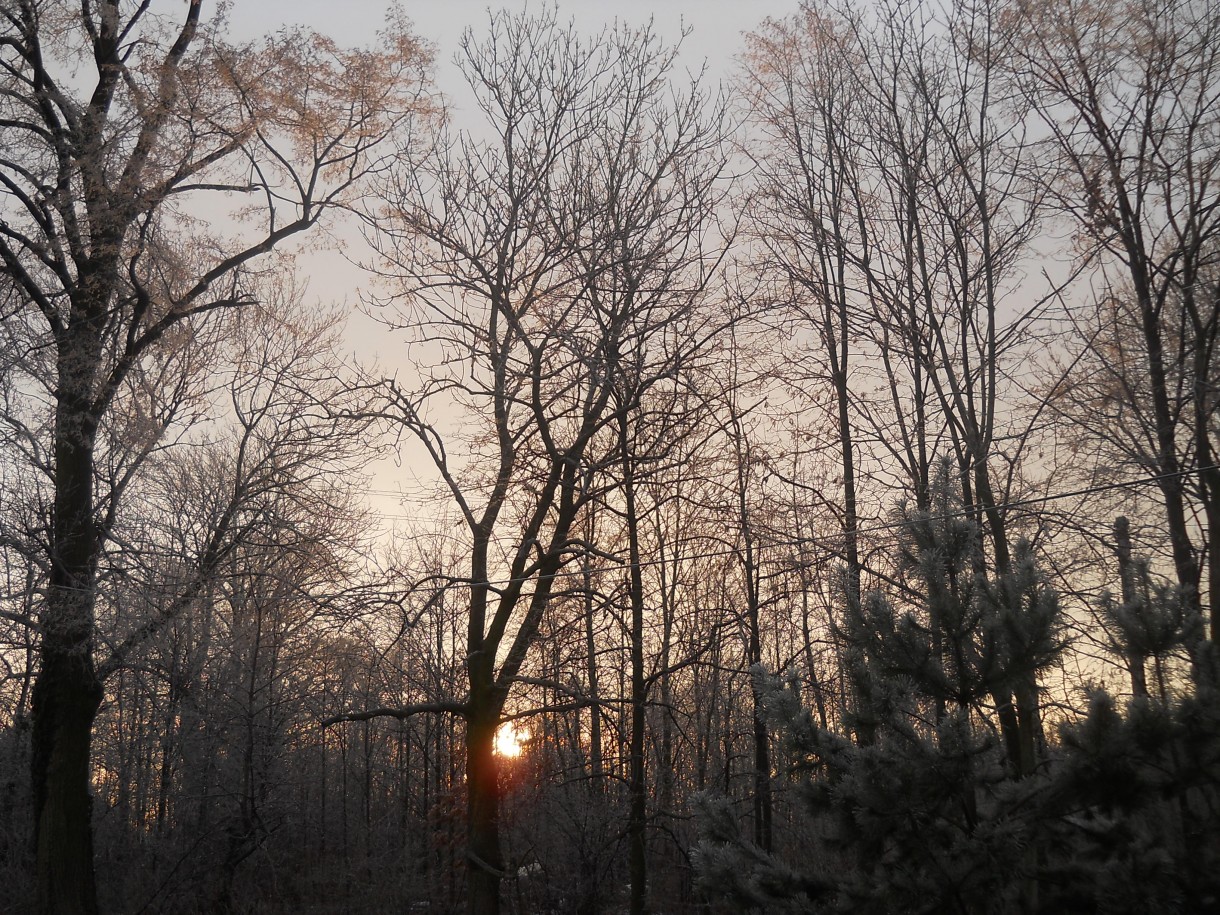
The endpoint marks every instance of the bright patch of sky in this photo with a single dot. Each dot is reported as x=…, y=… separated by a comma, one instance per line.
x=716, y=25
x=714, y=39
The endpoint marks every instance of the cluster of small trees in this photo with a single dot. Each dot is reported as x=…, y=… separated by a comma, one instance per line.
x=773, y=491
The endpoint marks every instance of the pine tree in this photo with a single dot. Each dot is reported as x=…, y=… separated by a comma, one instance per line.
x=929, y=813
x=933, y=813
x=1131, y=808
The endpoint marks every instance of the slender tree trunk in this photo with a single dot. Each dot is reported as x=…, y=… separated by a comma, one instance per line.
x=1019, y=714
x=762, y=740
x=749, y=561
x=1209, y=473
x=1126, y=574
x=1171, y=483
x=837, y=344
x=815, y=683
x=666, y=799
x=595, y=713
x=637, y=840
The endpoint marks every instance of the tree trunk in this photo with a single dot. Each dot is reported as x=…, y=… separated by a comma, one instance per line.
x=1168, y=468
x=1209, y=473
x=595, y=713
x=762, y=745
x=637, y=844
x=483, y=859
x=67, y=692
x=65, y=701
x=1126, y=574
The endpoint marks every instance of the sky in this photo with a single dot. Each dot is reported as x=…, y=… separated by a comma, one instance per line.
x=717, y=25
x=715, y=39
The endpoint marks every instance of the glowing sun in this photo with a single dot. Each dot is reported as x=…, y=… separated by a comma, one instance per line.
x=510, y=742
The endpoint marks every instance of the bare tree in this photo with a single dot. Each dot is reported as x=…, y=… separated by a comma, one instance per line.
x=802, y=83
x=552, y=269
x=1128, y=95
x=893, y=210
x=101, y=168
x=229, y=562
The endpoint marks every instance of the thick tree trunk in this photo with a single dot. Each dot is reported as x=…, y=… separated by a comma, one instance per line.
x=483, y=858
x=65, y=701
x=67, y=692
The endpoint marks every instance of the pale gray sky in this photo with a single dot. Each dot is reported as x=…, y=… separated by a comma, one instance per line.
x=716, y=33
x=717, y=24
x=716, y=27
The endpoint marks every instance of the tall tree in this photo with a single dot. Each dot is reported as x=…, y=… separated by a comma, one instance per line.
x=550, y=265
x=808, y=213
x=1128, y=92
x=891, y=204
x=117, y=124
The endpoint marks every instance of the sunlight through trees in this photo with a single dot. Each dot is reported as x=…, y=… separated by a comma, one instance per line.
x=791, y=494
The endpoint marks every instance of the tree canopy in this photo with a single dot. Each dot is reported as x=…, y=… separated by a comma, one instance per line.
x=804, y=492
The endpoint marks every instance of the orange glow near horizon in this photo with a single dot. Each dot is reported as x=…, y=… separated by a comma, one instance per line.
x=510, y=742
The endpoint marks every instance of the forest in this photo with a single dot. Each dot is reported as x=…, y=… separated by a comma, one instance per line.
x=795, y=492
